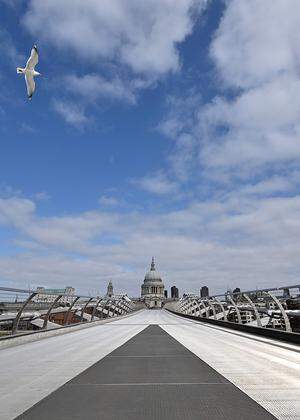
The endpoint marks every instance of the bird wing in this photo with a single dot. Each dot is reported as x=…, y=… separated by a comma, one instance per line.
x=33, y=59
x=30, y=85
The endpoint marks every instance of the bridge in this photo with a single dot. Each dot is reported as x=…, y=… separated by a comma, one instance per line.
x=149, y=364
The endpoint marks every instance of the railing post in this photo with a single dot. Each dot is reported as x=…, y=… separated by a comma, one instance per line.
x=236, y=309
x=95, y=308
x=126, y=307
x=222, y=308
x=110, y=309
x=107, y=306
x=66, y=318
x=198, y=308
x=102, y=307
x=191, y=307
x=83, y=309
x=116, y=303
x=18, y=316
x=212, y=307
x=282, y=310
x=49, y=312
x=258, y=321
x=206, y=308
x=122, y=307
x=183, y=305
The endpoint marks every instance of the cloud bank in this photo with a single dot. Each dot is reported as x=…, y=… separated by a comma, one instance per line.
x=140, y=37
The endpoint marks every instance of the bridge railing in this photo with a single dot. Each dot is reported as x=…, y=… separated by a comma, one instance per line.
x=28, y=311
x=272, y=308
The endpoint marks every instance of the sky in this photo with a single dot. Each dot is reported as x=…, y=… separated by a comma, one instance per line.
x=165, y=128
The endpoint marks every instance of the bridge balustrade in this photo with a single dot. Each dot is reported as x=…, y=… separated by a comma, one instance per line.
x=271, y=308
x=28, y=311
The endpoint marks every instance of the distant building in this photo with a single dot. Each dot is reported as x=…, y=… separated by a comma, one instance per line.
x=49, y=295
x=152, y=290
x=204, y=292
x=166, y=294
x=174, y=292
x=236, y=290
x=110, y=290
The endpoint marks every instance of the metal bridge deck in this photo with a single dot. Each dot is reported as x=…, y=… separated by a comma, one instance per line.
x=151, y=376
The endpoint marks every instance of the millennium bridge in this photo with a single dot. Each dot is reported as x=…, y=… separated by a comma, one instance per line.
x=232, y=356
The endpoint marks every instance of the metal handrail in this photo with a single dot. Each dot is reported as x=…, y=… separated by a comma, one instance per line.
x=232, y=303
x=115, y=306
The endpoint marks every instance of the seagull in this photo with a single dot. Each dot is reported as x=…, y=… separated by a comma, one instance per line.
x=29, y=71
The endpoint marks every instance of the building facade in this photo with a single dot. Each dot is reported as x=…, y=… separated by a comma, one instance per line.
x=49, y=295
x=174, y=292
x=110, y=290
x=152, y=292
x=204, y=292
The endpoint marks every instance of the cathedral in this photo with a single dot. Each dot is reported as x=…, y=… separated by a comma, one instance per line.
x=153, y=288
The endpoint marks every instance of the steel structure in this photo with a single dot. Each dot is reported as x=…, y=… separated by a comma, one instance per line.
x=250, y=307
x=80, y=309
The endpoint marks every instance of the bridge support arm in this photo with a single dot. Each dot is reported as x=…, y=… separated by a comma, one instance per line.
x=95, y=308
x=206, y=308
x=84, y=308
x=211, y=305
x=258, y=321
x=236, y=309
x=67, y=315
x=282, y=310
x=46, y=319
x=18, y=317
x=222, y=308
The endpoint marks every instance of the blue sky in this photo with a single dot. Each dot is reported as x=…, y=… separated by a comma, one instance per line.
x=158, y=128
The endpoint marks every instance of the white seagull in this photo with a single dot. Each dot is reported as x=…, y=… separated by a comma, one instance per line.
x=29, y=71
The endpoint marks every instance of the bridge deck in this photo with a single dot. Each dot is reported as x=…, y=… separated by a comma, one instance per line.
x=151, y=376
x=126, y=370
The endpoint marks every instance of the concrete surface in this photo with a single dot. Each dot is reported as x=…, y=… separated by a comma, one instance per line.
x=136, y=382
x=266, y=370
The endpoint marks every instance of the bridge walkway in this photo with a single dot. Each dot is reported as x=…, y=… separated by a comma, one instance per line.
x=150, y=377
x=175, y=368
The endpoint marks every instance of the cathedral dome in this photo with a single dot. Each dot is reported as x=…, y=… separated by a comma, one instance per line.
x=152, y=290
x=152, y=276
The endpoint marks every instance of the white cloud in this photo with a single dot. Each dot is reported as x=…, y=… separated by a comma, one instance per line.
x=179, y=124
x=73, y=114
x=255, y=51
x=16, y=211
x=234, y=240
x=107, y=201
x=257, y=41
x=270, y=186
x=123, y=47
x=93, y=86
x=252, y=125
x=9, y=51
x=156, y=183
x=142, y=35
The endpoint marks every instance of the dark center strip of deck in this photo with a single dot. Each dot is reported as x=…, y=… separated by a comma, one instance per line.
x=152, y=376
